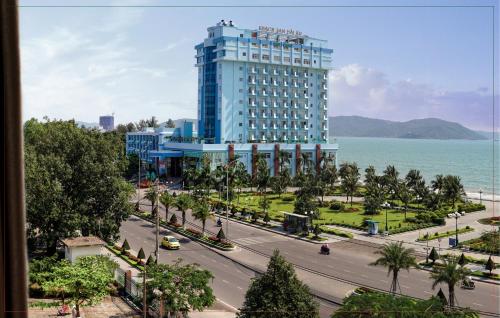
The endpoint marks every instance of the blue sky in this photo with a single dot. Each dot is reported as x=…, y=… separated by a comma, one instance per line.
x=395, y=63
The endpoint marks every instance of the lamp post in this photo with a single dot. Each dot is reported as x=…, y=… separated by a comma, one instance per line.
x=386, y=205
x=456, y=215
x=480, y=196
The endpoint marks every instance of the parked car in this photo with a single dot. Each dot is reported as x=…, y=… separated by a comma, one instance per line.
x=170, y=243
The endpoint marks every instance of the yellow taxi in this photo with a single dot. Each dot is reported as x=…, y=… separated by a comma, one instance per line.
x=170, y=243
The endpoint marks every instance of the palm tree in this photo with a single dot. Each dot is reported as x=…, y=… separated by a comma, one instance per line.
x=183, y=203
x=263, y=176
x=404, y=194
x=395, y=257
x=391, y=180
x=201, y=211
x=305, y=161
x=167, y=200
x=349, y=173
x=370, y=174
x=284, y=159
x=438, y=183
x=452, y=189
x=152, y=196
x=451, y=273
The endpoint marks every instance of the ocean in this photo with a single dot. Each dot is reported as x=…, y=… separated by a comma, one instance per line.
x=472, y=160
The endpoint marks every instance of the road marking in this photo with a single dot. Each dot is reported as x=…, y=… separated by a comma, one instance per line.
x=345, y=270
x=477, y=304
x=328, y=265
x=240, y=288
x=383, y=281
x=225, y=281
x=428, y=292
x=364, y=276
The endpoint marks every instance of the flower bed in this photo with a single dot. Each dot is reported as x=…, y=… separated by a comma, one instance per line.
x=411, y=228
x=444, y=234
x=126, y=256
x=329, y=230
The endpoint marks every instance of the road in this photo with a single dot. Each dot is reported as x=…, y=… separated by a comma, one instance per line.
x=333, y=275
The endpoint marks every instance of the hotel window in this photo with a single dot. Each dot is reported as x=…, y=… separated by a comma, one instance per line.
x=306, y=51
x=245, y=54
x=241, y=90
x=265, y=45
x=286, y=59
x=296, y=49
x=277, y=58
x=265, y=57
x=276, y=46
x=314, y=61
x=241, y=79
x=255, y=56
x=241, y=112
x=254, y=44
x=306, y=61
x=241, y=102
x=241, y=124
x=241, y=68
x=296, y=60
x=241, y=35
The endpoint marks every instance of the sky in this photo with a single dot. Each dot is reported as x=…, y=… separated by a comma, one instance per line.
x=136, y=59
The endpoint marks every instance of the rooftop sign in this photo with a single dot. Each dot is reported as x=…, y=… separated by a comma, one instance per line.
x=266, y=29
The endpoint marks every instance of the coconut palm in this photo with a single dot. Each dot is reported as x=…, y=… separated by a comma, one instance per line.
x=349, y=173
x=452, y=189
x=451, y=273
x=263, y=176
x=370, y=174
x=168, y=201
x=404, y=194
x=284, y=160
x=395, y=257
x=201, y=211
x=152, y=196
x=391, y=181
x=183, y=203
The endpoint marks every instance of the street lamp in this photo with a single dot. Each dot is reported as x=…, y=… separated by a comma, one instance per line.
x=386, y=205
x=456, y=215
x=480, y=197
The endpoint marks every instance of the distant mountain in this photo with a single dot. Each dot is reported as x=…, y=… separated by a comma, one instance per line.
x=488, y=134
x=428, y=128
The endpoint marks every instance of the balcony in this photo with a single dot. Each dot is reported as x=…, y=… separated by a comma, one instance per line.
x=285, y=73
x=305, y=96
x=264, y=71
x=285, y=94
x=305, y=127
x=285, y=126
x=295, y=95
x=305, y=75
x=275, y=72
x=252, y=137
x=306, y=117
x=325, y=117
x=275, y=94
x=264, y=82
x=252, y=103
x=325, y=128
x=306, y=85
x=285, y=115
x=263, y=138
x=295, y=116
x=252, y=115
x=285, y=104
x=264, y=93
x=264, y=104
x=252, y=92
x=306, y=106
x=274, y=126
x=264, y=126
x=295, y=74
x=274, y=137
x=325, y=107
x=325, y=87
x=325, y=97
x=275, y=104
x=285, y=83
x=252, y=126
x=296, y=106
x=294, y=138
x=285, y=138
x=253, y=70
x=325, y=77
x=264, y=115
x=275, y=115
x=295, y=84
x=275, y=83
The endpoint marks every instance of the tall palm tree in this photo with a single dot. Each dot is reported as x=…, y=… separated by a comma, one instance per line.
x=370, y=174
x=452, y=189
x=201, y=211
x=263, y=176
x=284, y=159
x=168, y=201
x=451, y=273
x=395, y=257
x=438, y=183
x=349, y=173
x=152, y=196
x=391, y=179
x=404, y=194
x=183, y=203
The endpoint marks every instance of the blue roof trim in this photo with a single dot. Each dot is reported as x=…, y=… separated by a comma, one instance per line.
x=252, y=40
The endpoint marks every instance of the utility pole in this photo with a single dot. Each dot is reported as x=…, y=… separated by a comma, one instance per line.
x=157, y=247
x=144, y=304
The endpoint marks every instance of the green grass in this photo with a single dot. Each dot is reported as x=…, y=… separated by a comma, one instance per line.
x=486, y=275
x=444, y=234
x=277, y=206
x=333, y=231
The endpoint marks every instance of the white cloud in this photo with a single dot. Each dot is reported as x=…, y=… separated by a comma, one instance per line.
x=363, y=91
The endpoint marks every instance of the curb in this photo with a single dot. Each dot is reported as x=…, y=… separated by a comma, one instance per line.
x=192, y=237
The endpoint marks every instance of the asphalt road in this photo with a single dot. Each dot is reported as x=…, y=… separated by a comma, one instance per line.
x=348, y=261
x=231, y=280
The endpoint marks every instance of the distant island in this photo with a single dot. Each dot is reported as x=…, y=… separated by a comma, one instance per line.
x=427, y=128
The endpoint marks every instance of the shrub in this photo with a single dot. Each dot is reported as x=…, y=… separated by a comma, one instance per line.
x=173, y=219
x=193, y=231
x=287, y=199
x=412, y=220
x=221, y=236
x=337, y=206
x=467, y=227
x=125, y=245
x=150, y=260
x=141, y=254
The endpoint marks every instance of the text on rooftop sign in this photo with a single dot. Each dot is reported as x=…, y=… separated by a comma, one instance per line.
x=279, y=30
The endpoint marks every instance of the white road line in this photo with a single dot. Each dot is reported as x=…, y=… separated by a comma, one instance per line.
x=225, y=281
x=477, y=304
x=345, y=270
x=428, y=292
x=328, y=265
x=383, y=281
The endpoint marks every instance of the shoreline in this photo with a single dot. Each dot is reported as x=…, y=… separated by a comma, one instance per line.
x=484, y=196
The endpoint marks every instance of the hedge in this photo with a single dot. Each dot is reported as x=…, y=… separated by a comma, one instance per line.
x=330, y=230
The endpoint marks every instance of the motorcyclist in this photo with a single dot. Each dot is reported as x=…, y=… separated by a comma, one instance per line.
x=219, y=222
x=325, y=249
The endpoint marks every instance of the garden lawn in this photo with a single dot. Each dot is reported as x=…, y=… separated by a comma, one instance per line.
x=278, y=205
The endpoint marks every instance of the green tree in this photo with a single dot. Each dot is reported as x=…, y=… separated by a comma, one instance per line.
x=349, y=173
x=451, y=274
x=370, y=174
x=151, y=260
x=263, y=178
x=201, y=212
x=462, y=261
x=183, y=287
x=147, y=123
x=374, y=196
x=173, y=218
x=168, y=201
x=266, y=218
x=404, y=194
x=380, y=305
x=278, y=293
x=391, y=181
x=125, y=245
x=452, y=189
x=152, y=196
x=490, y=265
x=183, y=202
x=395, y=257
x=433, y=256
x=220, y=235
x=264, y=204
x=317, y=231
x=170, y=123
x=85, y=282
x=74, y=182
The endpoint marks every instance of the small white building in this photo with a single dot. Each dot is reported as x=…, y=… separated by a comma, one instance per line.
x=82, y=246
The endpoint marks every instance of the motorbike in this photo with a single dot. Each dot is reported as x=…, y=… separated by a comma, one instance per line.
x=325, y=250
x=219, y=223
x=467, y=283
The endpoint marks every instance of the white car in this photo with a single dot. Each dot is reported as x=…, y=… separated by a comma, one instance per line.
x=450, y=215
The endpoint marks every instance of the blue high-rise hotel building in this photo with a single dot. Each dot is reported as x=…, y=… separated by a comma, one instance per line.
x=267, y=85
x=262, y=91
